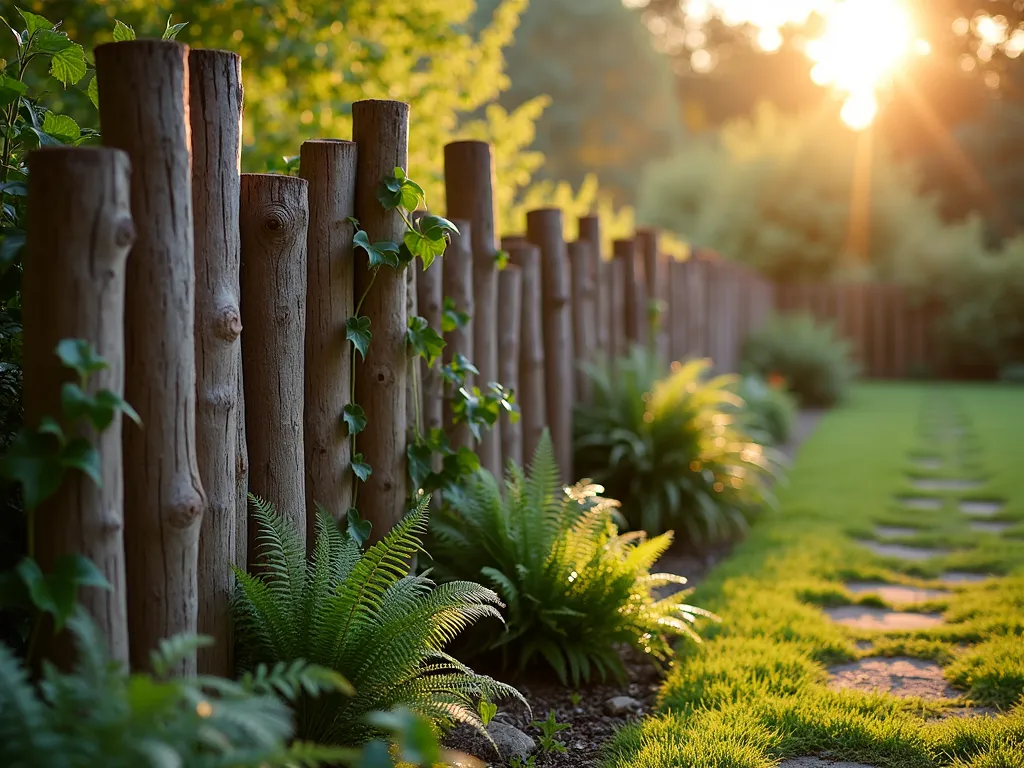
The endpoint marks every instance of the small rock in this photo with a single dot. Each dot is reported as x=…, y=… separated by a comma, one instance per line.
x=510, y=741
x=455, y=759
x=622, y=705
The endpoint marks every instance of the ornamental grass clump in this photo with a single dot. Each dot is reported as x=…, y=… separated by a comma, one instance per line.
x=675, y=449
x=576, y=588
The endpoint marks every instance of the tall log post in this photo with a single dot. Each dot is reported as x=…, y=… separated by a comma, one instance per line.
x=79, y=233
x=144, y=110
x=430, y=302
x=510, y=285
x=582, y=268
x=544, y=229
x=215, y=99
x=656, y=284
x=274, y=220
x=632, y=287
x=469, y=185
x=241, y=475
x=590, y=230
x=677, y=310
x=329, y=168
x=532, y=386
x=457, y=284
x=381, y=129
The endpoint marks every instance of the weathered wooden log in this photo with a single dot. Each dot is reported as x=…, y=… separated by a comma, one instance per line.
x=430, y=301
x=656, y=290
x=531, y=393
x=274, y=220
x=457, y=284
x=582, y=267
x=510, y=284
x=632, y=287
x=590, y=230
x=143, y=98
x=215, y=99
x=79, y=234
x=381, y=129
x=329, y=168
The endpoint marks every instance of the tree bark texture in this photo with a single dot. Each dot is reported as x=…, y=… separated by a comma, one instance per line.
x=582, y=267
x=510, y=285
x=531, y=393
x=457, y=284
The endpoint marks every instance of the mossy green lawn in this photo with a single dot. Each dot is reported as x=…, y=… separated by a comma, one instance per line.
x=756, y=691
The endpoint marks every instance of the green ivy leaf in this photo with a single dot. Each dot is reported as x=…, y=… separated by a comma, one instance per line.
x=384, y=252
x=47, y=41
x=32, y=462
x=34, y=22
x=11, y=246
x=501, y=260
x=61, y=127
x=451, y=318
x=436, y=227
x=68, y=66
x=389, y=192
x=361, y=468
x=79, y=356
x=11, y=89
x=421, y=246
x=94, y=92
x=420, y=459
x=358, y=528
x=122, y=32
x=456, y=371
x=57, y=593
x=355, y=418
x=172, y=30
x=413, y=196
x=424, y=340
x=357, y=330
x=80, y=454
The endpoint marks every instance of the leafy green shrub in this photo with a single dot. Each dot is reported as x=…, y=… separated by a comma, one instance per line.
x=575, y=588
x=768, y=409
x=673, y=449
x=814, y=361
x=362, y=615
x=98, y=715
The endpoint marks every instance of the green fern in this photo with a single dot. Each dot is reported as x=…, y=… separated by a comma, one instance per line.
x=364, y=616
x=98, y=715
x=575, y=588
x=674, y=448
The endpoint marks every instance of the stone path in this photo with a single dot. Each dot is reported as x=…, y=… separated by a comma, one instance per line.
x=896, y=594
x=865, y=617
x=901, y=676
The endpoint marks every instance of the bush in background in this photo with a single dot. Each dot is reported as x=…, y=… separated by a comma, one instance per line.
x=768, y=409
x=576, y=589
x=813, y=360
x=674, y=449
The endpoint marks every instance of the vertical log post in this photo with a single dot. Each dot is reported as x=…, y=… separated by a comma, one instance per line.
x=677, y=309
x=430, y=301
x=544, y=229
x=329, y=168
x=79, y=234
x=274, y=219
x=469, y=186
x=630, y=285
x=616, y=268
x=510, y=286
x=215, y=99
x=531, y=393
x=581, y=267
x=381, y=129
x=590, y=230
x=457, y=285
x=241, y=475
x=143, y=87
x=655, y=290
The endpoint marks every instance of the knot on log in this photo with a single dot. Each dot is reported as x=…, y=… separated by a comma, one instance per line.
x=227, y=324
x=124, y=232
x=186, y=511
x=277, y=219
x=384, y=375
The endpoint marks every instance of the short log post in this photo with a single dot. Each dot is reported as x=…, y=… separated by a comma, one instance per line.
x=381, y=129
x=215, y=98
x=590, y=230
x=143, y=98
x=510, y=284
x=656, y=290
x=625, y=296
x=677, y=309
x=582, y=267
x=470, y=185
x=79, y=234
x=531, y=392
x=329, y=168
x=274, y=220
x=544, y=229
x=457, y=285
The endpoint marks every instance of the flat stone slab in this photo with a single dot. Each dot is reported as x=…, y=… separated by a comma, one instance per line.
x=903, y=552
x=818, y=762
x=963, y=577
x=989, y=526
x=944, y=484
x=969, y=712
x=894, y=531
x=901, y=676
x=863, y=617
x=896, y=594
x=919, y=502
x=981, y=507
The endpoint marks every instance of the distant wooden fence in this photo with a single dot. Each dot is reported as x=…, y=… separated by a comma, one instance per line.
x=891, y=336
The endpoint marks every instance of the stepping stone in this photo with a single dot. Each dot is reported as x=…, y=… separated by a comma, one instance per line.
x=969, y=712
x=894, y=531
x=896, y=594
x=862, y=617
x=943, y=484
x=981, y=507
x=919, y=502
x=985, y=526
x=901, y=676
x=902, y=552
x=817, y=762
x=963, y=577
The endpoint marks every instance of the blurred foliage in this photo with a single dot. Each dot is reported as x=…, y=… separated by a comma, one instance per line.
x=768, y=409
x=813, y=360
x=672, y=447
x=613, y=108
